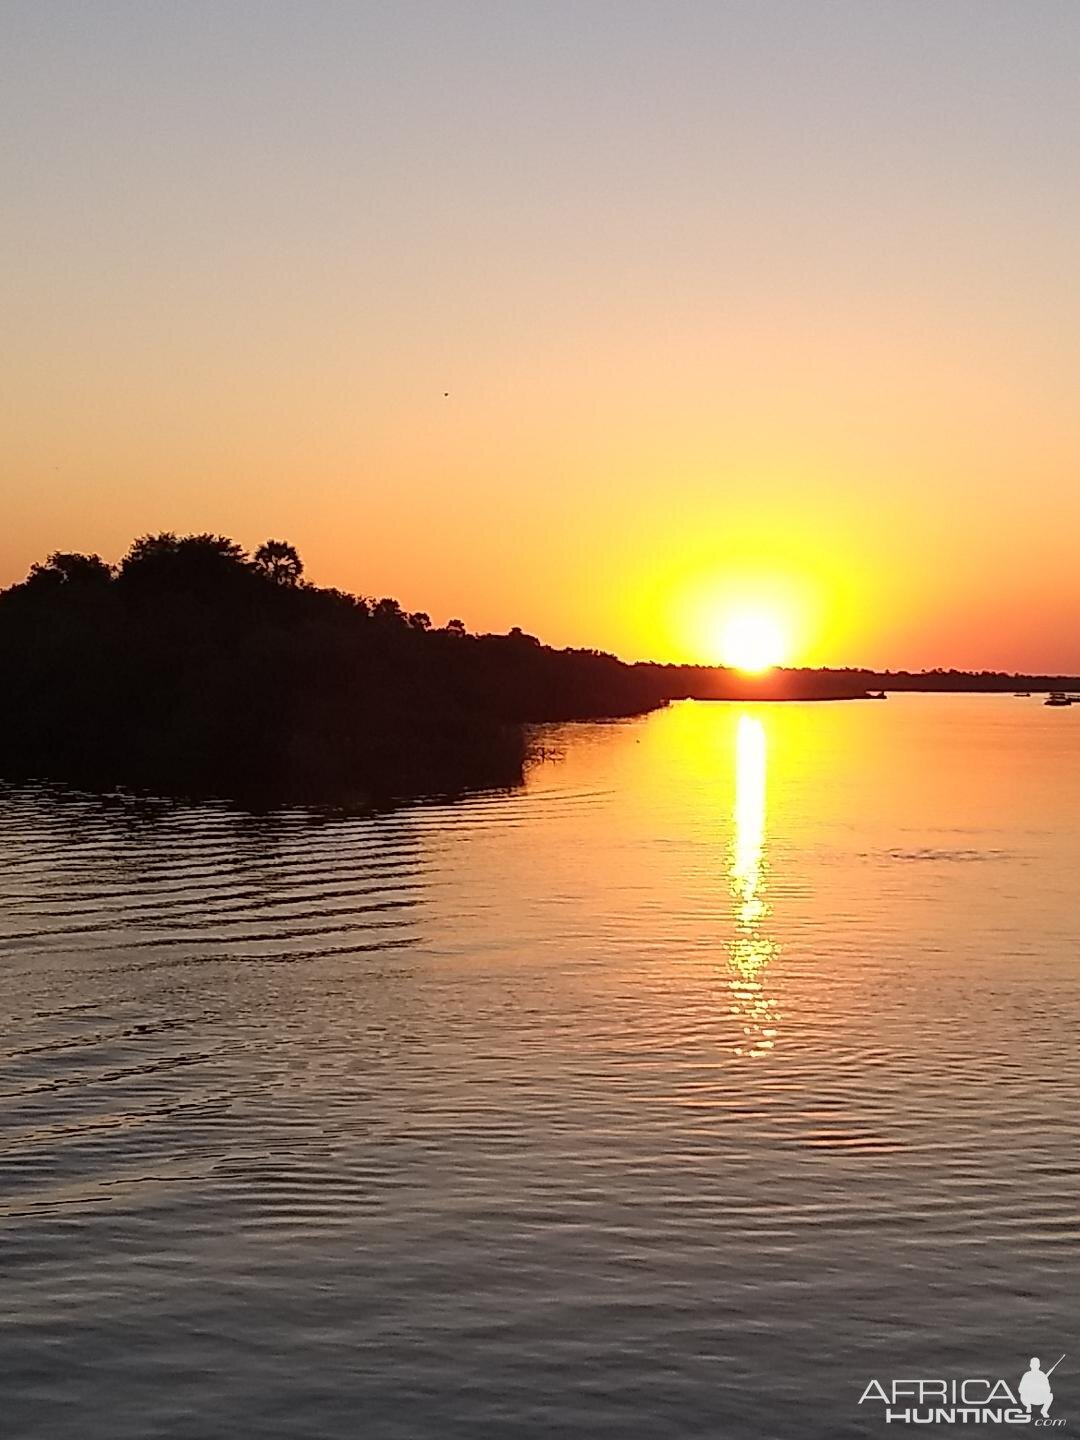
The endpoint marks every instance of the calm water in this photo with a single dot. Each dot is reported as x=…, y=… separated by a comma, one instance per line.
x=729, y=1065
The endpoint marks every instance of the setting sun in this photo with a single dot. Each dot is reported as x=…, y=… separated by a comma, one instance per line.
x=752, y=641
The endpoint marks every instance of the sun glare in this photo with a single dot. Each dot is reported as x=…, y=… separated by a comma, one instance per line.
x=752, y=641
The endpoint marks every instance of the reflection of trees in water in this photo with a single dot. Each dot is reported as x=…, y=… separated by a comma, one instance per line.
x=170, y=856
x=751, y=950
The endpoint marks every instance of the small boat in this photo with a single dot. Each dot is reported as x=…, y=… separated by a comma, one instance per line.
x=1023, y=694
x=1056, y=698
x=877, y=695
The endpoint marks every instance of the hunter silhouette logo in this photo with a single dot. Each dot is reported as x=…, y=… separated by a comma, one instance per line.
x=975, y=1400
x=1035, y=1386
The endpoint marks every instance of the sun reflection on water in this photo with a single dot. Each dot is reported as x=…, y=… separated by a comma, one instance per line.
x=751, y=949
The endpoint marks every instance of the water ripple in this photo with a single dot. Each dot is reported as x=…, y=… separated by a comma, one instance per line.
x=724, y=1067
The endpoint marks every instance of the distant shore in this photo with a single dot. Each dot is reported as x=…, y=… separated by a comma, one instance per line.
x=705, y=682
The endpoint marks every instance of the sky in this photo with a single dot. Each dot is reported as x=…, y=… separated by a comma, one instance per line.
x=612, y=320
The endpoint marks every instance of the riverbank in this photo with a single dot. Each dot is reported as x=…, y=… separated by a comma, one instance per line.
x=194, y=668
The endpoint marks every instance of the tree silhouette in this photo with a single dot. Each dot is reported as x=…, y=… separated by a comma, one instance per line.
x=165, y=563
x=388, y=612
x=69, y=572
x=278, y=561
x=192, y=667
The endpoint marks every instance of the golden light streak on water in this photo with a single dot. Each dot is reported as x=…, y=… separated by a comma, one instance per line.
x=751, y=949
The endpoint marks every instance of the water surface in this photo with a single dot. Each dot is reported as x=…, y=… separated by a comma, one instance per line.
x=730, y=1064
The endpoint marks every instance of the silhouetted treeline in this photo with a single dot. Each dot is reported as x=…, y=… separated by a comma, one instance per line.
x=192, y=665
x=705, y=682
x=711, y=682
x=961, y=681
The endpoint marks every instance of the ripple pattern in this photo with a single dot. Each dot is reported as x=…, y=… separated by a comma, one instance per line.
x=727, y=1066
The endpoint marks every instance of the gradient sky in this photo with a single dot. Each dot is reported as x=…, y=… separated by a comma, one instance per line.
x=736, y=302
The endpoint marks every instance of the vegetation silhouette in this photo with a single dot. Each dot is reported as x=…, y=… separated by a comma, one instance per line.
x=278, y=561
x=706, y=682
x=192, y=667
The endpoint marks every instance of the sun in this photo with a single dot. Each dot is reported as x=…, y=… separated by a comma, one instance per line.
x=752, y=640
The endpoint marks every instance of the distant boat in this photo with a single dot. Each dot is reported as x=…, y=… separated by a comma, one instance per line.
x=877, y=695
x=1023, y=694
x=1056, y=698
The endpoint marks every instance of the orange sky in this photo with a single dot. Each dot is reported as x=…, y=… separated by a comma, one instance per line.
x=763, y=304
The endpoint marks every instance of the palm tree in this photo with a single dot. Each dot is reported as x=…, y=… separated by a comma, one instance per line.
x=279, y=561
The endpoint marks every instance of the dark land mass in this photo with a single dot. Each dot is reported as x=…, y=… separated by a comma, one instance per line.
x=192, y=667
x=705, y=682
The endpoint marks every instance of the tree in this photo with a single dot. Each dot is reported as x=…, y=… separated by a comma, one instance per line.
x=191, y=563
x=520, y=637
x=279, y=562
x=69, y=572
x=388, y=611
